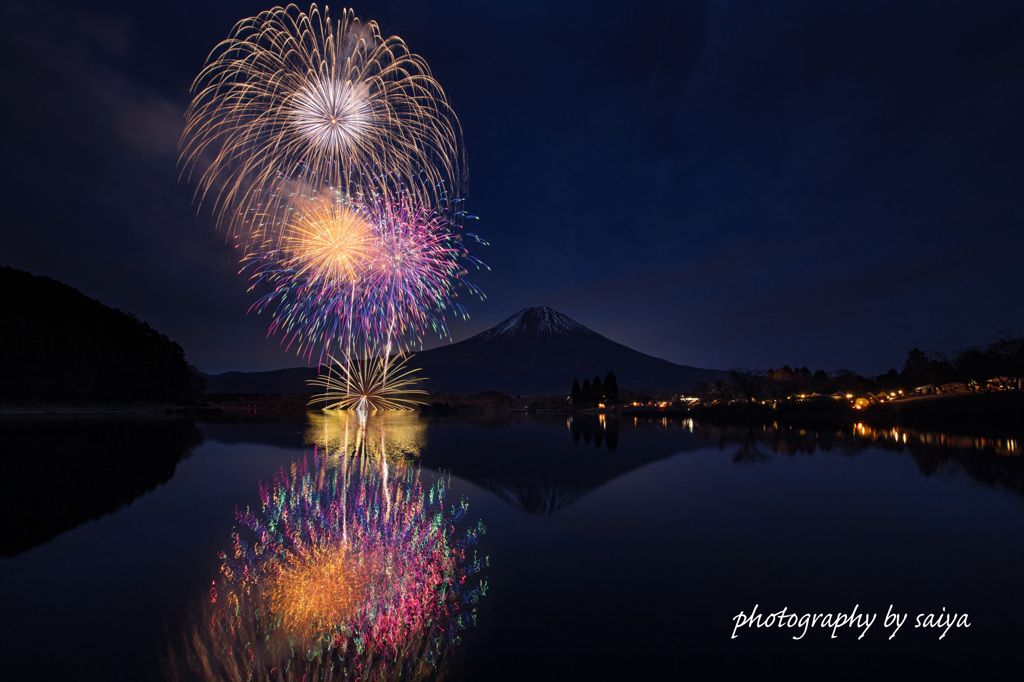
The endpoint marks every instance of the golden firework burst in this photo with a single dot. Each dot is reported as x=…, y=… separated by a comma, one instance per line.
x=327, y=242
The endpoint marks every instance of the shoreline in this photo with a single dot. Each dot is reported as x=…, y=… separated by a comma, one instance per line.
x=979, y=413
x=100, y=410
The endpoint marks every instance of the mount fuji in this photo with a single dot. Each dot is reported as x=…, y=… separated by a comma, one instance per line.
x=536, y=352
x=539, y=351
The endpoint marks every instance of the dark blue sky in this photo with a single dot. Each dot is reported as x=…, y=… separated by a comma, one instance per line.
x=717, y=183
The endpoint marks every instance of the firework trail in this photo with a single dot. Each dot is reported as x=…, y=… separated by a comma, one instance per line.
x=296, y=93
x=350, y=568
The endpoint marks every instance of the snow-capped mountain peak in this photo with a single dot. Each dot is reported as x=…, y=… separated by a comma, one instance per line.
x=535, y=323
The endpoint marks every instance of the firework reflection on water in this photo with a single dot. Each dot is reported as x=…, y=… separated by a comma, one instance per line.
x=352, y=567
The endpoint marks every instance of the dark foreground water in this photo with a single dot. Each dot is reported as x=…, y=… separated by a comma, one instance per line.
x=619, y=549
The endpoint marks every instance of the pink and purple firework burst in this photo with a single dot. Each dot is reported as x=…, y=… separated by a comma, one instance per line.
x=377, y=266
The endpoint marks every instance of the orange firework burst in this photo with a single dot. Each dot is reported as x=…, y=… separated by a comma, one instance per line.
x=327, y=242
x=320, y=592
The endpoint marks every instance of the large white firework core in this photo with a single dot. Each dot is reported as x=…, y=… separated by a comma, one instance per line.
x=333, y=114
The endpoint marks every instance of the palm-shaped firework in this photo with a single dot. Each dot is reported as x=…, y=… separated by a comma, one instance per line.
x=291, y=91
x=369, y=383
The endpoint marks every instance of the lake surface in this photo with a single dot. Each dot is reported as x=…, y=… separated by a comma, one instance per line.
x=619, y=549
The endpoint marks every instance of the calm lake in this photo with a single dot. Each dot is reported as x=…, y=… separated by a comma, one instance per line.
x=619, y=549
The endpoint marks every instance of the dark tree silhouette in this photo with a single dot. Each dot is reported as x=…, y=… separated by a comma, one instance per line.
x=611, y=387
x=748, y=382
x=921, y=369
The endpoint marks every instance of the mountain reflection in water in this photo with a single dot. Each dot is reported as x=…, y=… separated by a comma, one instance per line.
x=59, y=472
x=512, y=457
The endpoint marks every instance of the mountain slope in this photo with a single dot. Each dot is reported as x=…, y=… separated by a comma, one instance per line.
x=59, y=345
x=537, y=351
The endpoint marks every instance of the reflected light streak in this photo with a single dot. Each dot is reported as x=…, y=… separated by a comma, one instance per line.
x=1000, y=446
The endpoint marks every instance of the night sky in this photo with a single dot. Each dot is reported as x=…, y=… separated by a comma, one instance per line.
x=721, y=184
